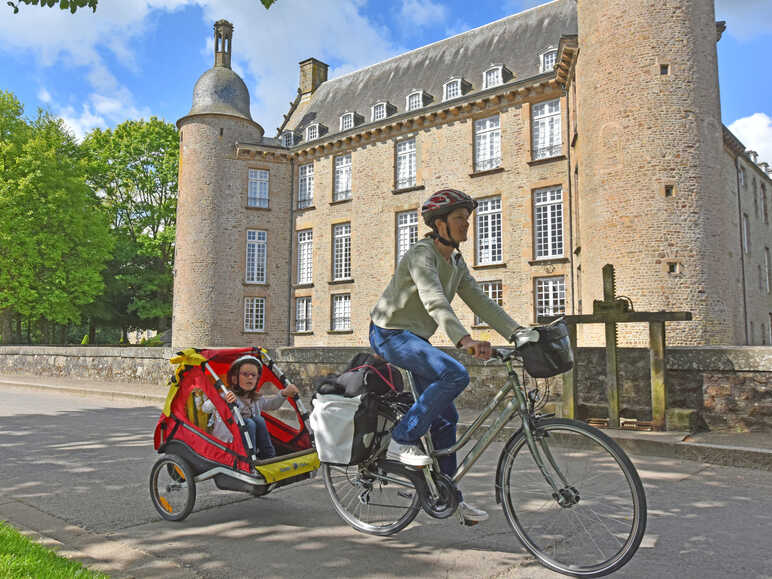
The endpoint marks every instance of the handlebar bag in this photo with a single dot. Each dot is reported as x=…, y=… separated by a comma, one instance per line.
x=344, y=427
x=551, y=355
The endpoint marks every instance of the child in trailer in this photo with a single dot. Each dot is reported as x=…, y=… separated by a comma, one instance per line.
x=243, y=376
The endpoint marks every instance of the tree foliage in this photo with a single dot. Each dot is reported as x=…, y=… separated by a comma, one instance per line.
x=134, y=168
x=54, y=232
x=73, y=5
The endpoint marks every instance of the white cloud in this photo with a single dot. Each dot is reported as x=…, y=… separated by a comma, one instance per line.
x=457, y=27
x=515, y=6
x=422, y=13
x=755, y=132
x=745, y=19
x=43, y=95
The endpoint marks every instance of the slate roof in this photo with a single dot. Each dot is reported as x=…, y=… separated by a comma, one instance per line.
x=220, y=90
x=514, y=41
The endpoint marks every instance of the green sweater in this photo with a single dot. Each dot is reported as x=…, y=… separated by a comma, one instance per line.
x=419, y=294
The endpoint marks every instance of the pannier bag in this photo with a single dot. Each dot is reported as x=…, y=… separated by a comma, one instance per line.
x=551, y=355
x=344, y=427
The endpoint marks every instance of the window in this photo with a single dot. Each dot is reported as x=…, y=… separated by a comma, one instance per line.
x=407, y=232
x=257, y=191
x=256, y=242
x=548, y=60
x=548, y=222
x=764, y=207
x=742, y=177
x=487, y=143
x=415, y=100
x=451, y=89
x=312, y=132
x=303, y=314
x=406, y=164
x=341, y=258
x=346, y=121
x=341, y=312
x=492, y=289
x=305, y=185
x=550, y=296
x=746, y=233
x=492, y=77
x=546, y=138
x=342, y=189
x=755, y=198
x=254, y=314
x=288, y=139
x=664, y=69
x=305, y=257
x=488, y=231
x=766, y=270
x=761, y=280
x=379, y=111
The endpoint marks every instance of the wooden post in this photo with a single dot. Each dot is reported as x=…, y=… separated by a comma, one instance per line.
x=612, y=390
x=658, y=390
x=569, y=379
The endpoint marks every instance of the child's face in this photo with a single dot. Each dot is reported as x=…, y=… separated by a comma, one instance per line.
x=248, y=377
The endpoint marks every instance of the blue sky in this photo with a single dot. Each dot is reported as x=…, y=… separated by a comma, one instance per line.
x=136, y=58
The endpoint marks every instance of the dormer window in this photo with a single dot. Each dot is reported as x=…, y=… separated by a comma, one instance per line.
x=312, y=132
x=548, y=59
x=379, y=111
x=415, y=100
x=493, y=76
x=451, y=89
x=346, y=121
x=288, y=139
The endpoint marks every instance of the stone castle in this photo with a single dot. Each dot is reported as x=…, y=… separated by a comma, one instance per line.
x=589, y=131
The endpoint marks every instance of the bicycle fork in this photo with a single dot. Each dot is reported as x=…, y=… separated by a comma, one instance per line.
x=568, y=495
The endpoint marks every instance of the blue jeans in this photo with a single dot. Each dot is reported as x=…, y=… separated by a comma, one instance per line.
x=258, y=432
x=439, y=379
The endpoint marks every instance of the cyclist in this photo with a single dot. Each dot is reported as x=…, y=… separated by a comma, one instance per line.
x=417, y=301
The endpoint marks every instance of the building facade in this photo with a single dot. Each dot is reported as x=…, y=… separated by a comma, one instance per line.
x=583, y=145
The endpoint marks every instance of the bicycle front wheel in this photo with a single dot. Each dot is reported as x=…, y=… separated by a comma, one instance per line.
x=595, y=522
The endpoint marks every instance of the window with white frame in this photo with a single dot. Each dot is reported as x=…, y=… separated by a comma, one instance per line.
x=406, y=166
x=492, y=289
x=254, y=314
x=546, y=134
x=548, y=60
x=342, y=189
x=746, y=233
x=548, y=226
x=312, y=132
x=303, y=314
x=257, y=190
x=415, y=100
x=341, y=256
x=256, y=256
x=346, y=121
x=766, y=270
x=492, y=77
x=487, y=143
x=451, y=89
x=407, y=232
x=305, y=185
x=488, y=231
x=305, y=256
x=379, y=111
x=341, y=312
x=550, y=296
x=288, y=139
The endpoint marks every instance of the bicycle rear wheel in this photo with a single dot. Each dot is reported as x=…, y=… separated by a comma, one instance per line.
x=602, y=519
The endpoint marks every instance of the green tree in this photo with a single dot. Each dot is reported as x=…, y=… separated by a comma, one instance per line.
x=73, y=5
x=134, y=168
x=54, y=233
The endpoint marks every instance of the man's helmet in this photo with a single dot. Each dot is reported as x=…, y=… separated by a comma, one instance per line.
x=443, y=202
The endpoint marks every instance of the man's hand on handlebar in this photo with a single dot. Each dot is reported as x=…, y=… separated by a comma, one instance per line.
x=477, y=348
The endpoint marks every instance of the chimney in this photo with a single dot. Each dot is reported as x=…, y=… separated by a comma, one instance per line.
x=223, y=32
x=754, y=156
x=312, y=73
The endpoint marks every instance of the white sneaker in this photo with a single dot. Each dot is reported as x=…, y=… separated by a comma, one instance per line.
x=408, y=454
x=472, y=514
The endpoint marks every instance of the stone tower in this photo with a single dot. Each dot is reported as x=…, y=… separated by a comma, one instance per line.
x=651, y=167
x=208, y=297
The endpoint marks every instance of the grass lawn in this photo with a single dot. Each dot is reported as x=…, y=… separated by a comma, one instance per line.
x=20, y=557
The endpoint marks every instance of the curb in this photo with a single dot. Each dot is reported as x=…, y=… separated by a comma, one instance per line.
x=80, y=391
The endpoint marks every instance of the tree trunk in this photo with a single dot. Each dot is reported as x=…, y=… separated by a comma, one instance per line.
x=91, y=333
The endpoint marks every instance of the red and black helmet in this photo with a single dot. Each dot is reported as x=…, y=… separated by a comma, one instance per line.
x=443, y=202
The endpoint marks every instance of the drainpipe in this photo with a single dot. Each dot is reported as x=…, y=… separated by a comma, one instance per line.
x=742, y=249
x=570, y=200
x=289, y=260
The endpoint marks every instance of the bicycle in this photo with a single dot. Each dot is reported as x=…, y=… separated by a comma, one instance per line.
x=570, y=494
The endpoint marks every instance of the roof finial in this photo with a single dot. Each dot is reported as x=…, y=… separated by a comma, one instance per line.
x=223, y=32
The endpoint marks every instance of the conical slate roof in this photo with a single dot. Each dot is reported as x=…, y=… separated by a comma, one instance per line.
x=221, y=91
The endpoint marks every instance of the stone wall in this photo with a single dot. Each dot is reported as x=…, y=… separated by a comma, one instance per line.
x=728, y=387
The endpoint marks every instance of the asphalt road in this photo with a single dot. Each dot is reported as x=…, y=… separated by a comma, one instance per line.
x=75, y=470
